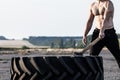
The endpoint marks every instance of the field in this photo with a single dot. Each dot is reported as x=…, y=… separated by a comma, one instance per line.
x=111, y=70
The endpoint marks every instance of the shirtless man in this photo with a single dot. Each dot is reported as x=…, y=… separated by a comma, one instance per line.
x=103, y=11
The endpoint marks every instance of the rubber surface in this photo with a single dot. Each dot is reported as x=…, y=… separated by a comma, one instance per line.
x=57, y=68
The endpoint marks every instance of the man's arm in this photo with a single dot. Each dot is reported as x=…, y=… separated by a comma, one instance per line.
x=88, y=26
x=109, y=12
x=89, y=23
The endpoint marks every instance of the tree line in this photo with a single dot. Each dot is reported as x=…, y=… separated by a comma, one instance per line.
x=57, y=42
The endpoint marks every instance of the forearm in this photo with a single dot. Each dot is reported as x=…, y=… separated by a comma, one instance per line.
x=88, y=27
x=102, y=29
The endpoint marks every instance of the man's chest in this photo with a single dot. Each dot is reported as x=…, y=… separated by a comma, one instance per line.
x=98, y=9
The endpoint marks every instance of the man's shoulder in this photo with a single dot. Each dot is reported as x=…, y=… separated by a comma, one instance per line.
x=93, y=3
x=110, y=2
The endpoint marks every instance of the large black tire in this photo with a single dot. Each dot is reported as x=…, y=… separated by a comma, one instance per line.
x=57, y=68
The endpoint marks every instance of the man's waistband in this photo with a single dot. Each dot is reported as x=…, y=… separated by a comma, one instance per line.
x=111, y=29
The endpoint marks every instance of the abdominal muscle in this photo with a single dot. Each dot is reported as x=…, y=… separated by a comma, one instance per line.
x=108, y=24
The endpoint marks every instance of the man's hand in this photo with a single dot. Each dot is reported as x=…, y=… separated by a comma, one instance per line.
x=84, y=40
x=101, y=35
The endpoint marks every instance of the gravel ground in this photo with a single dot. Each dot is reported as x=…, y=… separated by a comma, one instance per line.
x=111, y=70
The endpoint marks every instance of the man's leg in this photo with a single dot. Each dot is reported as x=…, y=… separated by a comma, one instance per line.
x=95, y=50
x=113, y=45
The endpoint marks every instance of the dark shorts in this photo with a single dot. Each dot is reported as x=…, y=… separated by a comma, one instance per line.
x=110, y=41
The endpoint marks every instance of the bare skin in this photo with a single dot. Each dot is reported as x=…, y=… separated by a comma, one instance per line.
x=102, y=11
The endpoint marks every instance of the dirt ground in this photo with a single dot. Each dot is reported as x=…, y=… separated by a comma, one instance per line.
x=111, y=70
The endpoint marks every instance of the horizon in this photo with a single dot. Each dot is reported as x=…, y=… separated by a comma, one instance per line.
x=42, y=36
x=36, y=36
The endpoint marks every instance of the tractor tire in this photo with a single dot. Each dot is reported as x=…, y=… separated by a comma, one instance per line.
x=57, y=68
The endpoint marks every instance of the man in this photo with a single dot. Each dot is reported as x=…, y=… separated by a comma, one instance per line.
x=103, y=11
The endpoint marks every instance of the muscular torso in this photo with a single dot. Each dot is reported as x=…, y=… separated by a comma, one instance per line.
x=99, y=9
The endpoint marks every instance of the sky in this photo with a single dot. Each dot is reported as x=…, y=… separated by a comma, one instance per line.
x=23, y=18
